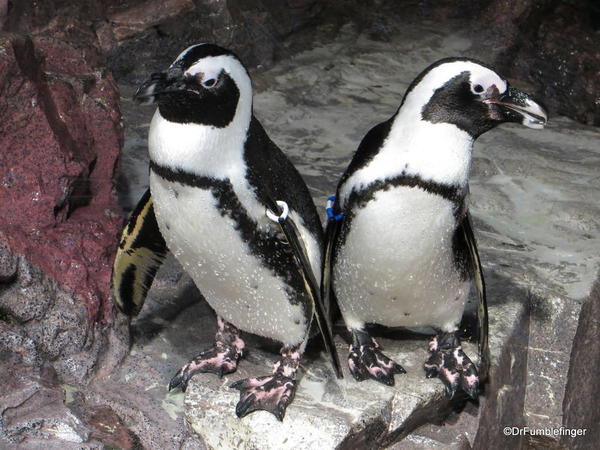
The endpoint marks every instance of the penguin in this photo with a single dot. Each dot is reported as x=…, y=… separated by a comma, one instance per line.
x=400, y=248
x=233, y=210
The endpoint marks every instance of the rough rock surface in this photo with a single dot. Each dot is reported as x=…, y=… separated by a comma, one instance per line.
x=33, y=408
x=142, y=38
x=60, y=136
x=580, y=409
x=141, y=35
x=60, y=133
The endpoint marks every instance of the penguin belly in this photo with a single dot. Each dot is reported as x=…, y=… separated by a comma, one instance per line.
x=396, y=266
x=235, y=282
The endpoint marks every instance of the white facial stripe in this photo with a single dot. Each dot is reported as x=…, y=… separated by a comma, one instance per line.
x=487, y=80
x=211, y=67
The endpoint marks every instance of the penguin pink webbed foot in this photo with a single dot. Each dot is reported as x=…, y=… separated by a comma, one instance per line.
x=220, y=360
x=451, y=365
x=272, y=393
x=367, y=361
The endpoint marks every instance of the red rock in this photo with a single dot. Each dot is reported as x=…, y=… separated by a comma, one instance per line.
x=60, y=136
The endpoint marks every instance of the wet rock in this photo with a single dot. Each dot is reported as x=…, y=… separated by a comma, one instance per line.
x=504, y=401
x=141, y=36
x=146, y=15
x=136, y=391
x=104, y=424
x=32, y=408
x=580, y=410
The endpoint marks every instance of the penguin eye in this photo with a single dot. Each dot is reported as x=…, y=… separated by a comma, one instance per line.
x=209, y=82
x=478, y=89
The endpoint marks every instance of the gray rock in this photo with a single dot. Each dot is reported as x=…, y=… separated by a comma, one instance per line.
x=42, y=321
x=580, y=410
x=164, y=335
x=32, y=408
x=8, y=262
x=326, y=413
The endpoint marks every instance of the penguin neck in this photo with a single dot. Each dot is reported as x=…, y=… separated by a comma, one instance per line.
x=202, y=150
x=435, y=152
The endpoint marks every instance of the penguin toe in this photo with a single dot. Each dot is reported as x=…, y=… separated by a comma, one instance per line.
x=357, y=368
x=272, y=393
x=178, y=380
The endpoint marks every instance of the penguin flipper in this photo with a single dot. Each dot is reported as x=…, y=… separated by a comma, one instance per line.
x=312, y=287
x=474, y=262
x=327, y=294
x=141, y=251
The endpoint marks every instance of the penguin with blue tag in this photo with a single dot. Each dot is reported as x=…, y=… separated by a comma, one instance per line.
x=236, y=214
x=400, y=248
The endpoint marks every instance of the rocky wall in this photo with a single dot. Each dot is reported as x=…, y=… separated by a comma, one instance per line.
x=60, y=137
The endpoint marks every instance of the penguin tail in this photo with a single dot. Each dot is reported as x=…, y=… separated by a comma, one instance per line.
x=141, y=251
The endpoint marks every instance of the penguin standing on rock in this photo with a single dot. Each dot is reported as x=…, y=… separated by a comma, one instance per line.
x=235, y=213
x=400, y=247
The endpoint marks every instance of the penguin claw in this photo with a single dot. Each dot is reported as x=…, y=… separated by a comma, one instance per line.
x=272, y=393
x=220, y=360
x=452, y=366
x=367, y=361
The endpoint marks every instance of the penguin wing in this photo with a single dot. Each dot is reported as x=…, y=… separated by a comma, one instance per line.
x=332, y=230
x=142, y=250
x=312, y=287
x=474, y=264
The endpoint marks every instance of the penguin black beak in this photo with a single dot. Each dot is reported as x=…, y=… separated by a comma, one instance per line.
x=169, y=81
x=517, y=106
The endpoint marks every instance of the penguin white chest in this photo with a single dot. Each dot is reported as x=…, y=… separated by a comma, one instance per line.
x=234, y=281
x=396, y=266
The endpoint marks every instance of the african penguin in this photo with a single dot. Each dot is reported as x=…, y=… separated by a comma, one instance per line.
x=400, y=249
x=222, y=199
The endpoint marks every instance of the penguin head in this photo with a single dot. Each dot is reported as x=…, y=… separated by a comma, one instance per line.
x=469, y=95
x=205, y=85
